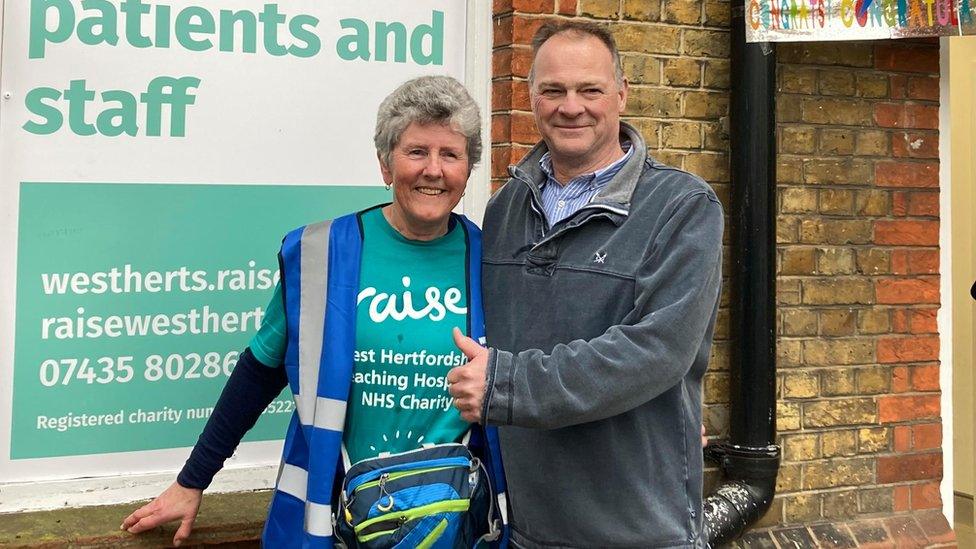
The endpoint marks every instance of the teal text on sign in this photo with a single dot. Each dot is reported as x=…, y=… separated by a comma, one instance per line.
x=119, y=112
x=133, y=302
x=77, y=107
x=145, y=24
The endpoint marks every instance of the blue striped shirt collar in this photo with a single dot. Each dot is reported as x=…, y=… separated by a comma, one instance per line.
x=596, y=179
x=562, y=201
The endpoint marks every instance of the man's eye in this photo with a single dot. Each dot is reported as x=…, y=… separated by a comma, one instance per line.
x=416, y=152
x=551, y=92
x=592, y=91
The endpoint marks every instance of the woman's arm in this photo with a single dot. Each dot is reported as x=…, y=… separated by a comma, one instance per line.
x=249, y=390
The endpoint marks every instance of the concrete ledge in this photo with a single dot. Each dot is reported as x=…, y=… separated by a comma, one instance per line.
x=233, y=519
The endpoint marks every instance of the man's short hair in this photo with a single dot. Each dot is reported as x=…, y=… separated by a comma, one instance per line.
x=578, y=29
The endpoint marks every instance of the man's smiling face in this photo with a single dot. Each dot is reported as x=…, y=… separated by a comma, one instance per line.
x=577, y=101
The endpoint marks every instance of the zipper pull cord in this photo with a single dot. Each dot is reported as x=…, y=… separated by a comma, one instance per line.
x=344, y=503
x=494, y=525
x=389, y=504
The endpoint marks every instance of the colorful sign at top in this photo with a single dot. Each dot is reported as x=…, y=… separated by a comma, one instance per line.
x=820, y=20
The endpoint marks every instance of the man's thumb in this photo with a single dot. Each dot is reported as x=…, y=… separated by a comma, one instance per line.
x=468, y=346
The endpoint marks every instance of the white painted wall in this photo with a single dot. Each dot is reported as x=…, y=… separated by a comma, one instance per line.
x=944, y=317
x=477, y=77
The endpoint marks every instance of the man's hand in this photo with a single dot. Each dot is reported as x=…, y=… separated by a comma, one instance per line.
x=467, y=382
x=176, y=502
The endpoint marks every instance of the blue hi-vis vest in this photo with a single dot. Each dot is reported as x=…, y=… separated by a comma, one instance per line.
x=320, y=281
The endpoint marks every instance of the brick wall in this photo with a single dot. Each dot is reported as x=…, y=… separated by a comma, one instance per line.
x=858, y=284
x=675, y=55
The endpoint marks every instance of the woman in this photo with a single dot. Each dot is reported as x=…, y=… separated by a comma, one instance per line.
x=360, y=328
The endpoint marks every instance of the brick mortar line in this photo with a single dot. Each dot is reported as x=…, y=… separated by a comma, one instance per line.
x=931, y=133
x=837, y=490
x=858, y=336
x=886, y=129
x=857, y=396
x=869, y=100
x=841, y=428
x=865, y=68
x=848, y=488
x=931, y=247
x=889, y=335
x=820, y=368
x=868, y=158
x=864, y=364
x=872, y=101
x=855, y=127
x=608, y=21
x=926, y=276
x=643, y=54
x=872, y=70
x=856, y=187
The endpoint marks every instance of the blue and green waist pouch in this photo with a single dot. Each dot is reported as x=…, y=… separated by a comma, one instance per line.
x=437, y=497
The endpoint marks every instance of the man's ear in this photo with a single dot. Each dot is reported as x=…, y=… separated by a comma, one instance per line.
x=622, y=94
x=385, y=170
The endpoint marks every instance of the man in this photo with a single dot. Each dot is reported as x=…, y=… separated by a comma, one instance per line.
x=601, y=271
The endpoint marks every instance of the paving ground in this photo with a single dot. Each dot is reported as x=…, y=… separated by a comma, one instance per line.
x=923, y=529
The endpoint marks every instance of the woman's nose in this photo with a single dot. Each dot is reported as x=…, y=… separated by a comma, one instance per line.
x=433, y=168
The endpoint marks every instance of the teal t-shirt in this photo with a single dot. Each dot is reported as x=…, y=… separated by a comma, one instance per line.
x=411, y=293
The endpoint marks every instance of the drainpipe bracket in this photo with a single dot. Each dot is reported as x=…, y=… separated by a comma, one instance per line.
x=750, y=462
x=744, y=462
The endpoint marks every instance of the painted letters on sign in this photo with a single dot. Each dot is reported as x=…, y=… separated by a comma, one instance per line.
x=819, y=20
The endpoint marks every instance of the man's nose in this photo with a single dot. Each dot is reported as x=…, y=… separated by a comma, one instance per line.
x=571, y=105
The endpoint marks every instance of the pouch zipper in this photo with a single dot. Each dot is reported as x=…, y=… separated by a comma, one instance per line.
x=400, y=474
x=373, y=528
x=355, y=483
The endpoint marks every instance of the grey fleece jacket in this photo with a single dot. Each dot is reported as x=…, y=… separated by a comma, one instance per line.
x=600, y=329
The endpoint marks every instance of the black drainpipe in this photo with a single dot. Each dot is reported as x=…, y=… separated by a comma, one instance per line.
x=750, y=459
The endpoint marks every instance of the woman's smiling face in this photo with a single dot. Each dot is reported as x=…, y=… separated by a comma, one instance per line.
x=428, y=169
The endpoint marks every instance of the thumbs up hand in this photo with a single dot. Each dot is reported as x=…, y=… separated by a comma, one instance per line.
x=467, y=382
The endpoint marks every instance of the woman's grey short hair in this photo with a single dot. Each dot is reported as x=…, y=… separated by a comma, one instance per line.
x=428, y=100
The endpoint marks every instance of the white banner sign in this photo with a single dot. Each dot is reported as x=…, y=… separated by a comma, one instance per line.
x=152, y=155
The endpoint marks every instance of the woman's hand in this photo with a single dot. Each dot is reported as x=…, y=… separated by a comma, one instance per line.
x=176, y=502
